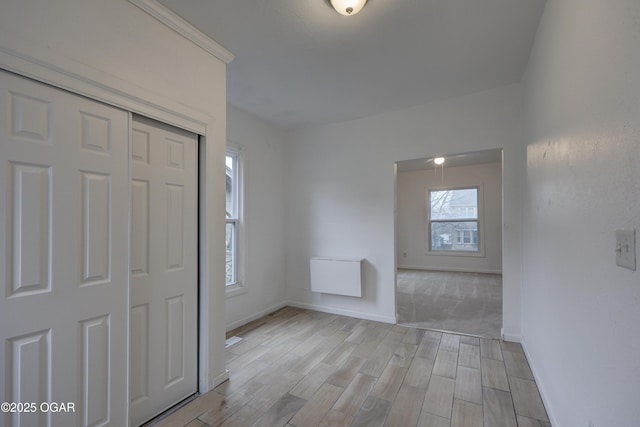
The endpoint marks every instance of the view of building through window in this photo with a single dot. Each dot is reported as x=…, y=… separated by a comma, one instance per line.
x=232, y=214
x=453, y=220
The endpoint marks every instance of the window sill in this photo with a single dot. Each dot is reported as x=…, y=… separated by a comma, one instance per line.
x=479, y=254
x=235, y=290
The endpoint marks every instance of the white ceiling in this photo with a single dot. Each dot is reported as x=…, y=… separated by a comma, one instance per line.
x=299, y=62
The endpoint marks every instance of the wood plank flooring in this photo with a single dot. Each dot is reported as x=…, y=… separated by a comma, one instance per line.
x=300, y=368
x=469, y=303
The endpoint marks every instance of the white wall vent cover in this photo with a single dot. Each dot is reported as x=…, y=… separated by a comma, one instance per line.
x=336, y=275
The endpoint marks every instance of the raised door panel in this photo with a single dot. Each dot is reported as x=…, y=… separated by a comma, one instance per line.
x=140, y=146
x=29, y=374
x=175, y=226
x=29, y=229
x=175, y=153
x=139, y=354
x=30, y=118
x=139, y=227
x=96, y=133
x=96, y=353
x=175, y=350
x=96, y=224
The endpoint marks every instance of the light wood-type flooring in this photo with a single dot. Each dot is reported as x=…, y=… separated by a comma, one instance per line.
x=303, y=368
x=469, y=303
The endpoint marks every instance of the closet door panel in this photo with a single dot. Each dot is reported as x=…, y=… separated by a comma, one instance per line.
x=163, y=268
x=64, y=187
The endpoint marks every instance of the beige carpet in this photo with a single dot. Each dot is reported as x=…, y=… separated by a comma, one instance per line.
x=468, y=303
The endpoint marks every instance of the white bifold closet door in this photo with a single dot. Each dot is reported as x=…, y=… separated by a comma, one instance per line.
x=64, y=216
x=163, y=369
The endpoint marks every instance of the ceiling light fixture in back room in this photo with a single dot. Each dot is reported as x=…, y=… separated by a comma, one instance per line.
x=348, y=7
x=439, y=161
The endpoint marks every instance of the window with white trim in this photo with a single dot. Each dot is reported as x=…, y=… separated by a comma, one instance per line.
x=453, y=220
x=233, y=213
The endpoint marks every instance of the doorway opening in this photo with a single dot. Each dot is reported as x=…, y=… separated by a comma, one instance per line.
x=449, y=243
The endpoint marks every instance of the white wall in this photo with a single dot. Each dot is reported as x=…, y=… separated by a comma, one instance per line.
x=114, y=51
x=262, y=232
x=340, y=193
x=581, y=313
x=413, y=229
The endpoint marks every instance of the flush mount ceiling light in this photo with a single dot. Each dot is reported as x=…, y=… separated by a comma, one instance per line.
x=348, y=7
x=438, y=160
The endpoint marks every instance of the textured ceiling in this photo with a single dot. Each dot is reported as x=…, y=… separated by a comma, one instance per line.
x=298, y=62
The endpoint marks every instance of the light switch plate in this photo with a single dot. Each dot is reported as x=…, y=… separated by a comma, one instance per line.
x=626, y=248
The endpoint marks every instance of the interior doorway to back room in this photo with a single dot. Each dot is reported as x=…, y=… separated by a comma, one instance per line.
x=449, y=243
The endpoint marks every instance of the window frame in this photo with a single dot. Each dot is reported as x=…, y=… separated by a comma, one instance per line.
x=238, y=154
x=479, y=221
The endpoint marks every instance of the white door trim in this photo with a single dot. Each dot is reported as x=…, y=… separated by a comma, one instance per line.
x=59, y=71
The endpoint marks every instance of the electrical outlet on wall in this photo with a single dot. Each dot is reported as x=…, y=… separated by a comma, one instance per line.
x=626, y=248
